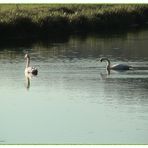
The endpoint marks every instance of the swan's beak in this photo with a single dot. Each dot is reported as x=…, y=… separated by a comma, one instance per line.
x=100, y=60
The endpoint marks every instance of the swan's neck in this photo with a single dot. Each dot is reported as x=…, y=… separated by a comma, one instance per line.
x=28, y=62
x=108, y=64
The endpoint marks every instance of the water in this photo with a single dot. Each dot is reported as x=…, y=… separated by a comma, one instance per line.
x=73, y=100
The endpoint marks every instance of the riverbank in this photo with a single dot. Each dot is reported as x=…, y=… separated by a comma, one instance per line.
x=40, y=20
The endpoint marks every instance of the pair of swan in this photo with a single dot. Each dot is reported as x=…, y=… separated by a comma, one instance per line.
x=34, y=71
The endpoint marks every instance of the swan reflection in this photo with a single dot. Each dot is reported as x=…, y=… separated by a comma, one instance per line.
x=105, y=75
x=28, y=78
x=27, y=84
x=30, y=72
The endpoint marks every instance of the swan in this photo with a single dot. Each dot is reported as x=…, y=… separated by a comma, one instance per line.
x=116, y=66
x=29, y=69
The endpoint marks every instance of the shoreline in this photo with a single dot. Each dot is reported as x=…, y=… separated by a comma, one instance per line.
x=29, y=42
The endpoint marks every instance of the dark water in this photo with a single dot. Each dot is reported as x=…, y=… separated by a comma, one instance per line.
x=73, y=100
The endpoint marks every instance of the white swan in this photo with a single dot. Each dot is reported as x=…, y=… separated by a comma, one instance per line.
x=116, y=66
x=29, y=69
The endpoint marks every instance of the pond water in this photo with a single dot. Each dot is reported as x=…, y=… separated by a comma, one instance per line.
x=73, y=100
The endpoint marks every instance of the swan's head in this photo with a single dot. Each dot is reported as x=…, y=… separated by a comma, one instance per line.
x=26, y=56
x=102, y=59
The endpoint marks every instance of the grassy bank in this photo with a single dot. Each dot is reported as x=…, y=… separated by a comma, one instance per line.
x=40, y=20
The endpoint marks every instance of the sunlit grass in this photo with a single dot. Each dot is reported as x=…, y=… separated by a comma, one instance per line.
x=46, y=18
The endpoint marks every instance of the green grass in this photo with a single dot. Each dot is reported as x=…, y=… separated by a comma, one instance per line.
x=31, y=20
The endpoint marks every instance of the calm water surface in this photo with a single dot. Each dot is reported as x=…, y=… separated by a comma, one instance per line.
x=73, y=100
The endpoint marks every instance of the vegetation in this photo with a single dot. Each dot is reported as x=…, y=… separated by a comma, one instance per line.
x=41, y=20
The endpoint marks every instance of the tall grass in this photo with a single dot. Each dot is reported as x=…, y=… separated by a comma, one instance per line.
x=32, y=20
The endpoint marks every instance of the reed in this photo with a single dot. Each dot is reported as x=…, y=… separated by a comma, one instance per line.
x=34, y=20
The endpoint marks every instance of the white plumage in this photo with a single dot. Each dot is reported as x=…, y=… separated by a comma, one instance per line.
x=29, y=69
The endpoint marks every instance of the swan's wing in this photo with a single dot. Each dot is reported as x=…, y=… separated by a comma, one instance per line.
x=121, y=67
x=34, y=71
x=31, y=70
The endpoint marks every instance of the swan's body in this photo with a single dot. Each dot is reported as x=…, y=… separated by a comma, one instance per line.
x=116, y=66
x=29, y=69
